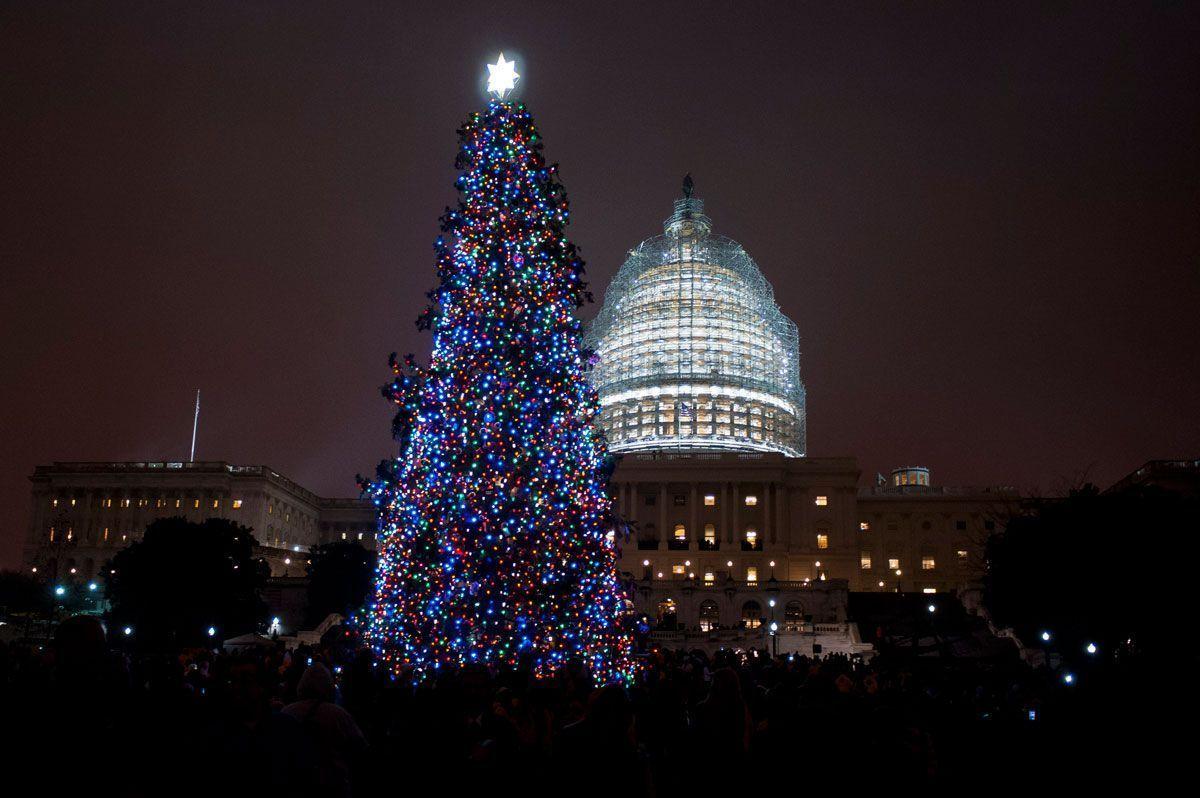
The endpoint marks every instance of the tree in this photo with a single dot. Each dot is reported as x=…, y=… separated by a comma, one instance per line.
x=339, y=579
x=182, y=578
x=1075, y=567
x=497, y=541
x=22, y=593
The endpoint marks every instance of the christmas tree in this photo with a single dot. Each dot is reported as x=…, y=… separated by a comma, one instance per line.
x=497, y=541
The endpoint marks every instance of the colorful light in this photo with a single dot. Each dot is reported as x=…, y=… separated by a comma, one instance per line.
x=495, y=542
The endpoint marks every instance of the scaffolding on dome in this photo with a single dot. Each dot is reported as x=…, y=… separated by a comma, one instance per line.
x=693, y=352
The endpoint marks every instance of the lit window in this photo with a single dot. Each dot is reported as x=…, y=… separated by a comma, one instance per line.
x=178, y=503
x=962, y=554
x=343, y=536
x=72, y=502
x=751, y=574
x=680, y=532
x=196, y=504
x=237, y=504
x=54, y=502
x=360, y=535
x=108, y=502
x=124, y=502
x=106, y=534
x=710, y=500
x=864, y=560
x=822, y=541
x=270, y=509
x=752, y=537
x=928, y=563
x=893, y=563
x=751, y=501
x=822, y=501
x=677, y=569
x=710, y=577
x=929, y=590
x=216, y=503
x=51, y=534
x=70, y=532
x=865, y=526
x=710, y=534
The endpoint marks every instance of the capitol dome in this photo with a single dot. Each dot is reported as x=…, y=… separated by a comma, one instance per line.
x=693, y=352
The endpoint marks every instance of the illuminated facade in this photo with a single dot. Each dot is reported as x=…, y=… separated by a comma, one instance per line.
x=693, y=352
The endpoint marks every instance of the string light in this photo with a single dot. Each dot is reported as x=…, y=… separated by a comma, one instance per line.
x=496, y=542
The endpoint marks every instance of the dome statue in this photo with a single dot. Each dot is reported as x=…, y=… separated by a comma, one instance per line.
x=692, y=351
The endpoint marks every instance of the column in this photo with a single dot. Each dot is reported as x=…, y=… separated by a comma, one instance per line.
x=768, y=531
x=781, y=512
x=662, y=514
x=725, y=528
x=735, y=528
x=693, y=528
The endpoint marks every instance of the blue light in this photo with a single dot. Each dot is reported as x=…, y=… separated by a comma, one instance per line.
x=212, y=631
x=92, y=586
x=60, y=590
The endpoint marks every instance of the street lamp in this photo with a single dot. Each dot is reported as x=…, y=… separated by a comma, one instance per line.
x=1045, y=637
x=1091, y=648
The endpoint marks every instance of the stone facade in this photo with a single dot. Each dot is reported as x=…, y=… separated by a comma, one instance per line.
x=83, y=513
x=742, y=529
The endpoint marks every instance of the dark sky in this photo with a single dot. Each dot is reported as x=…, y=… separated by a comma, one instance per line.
x=983, y=217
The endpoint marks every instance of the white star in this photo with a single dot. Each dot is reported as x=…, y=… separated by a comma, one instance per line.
x=502, y=76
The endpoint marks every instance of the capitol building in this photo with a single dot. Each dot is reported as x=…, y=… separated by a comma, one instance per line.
x=732, y=528
x=728, y=525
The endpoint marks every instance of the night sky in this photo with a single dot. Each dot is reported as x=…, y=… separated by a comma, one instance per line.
x=983, y=219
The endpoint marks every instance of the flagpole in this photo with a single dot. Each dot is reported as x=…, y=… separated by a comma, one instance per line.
x=195, y=424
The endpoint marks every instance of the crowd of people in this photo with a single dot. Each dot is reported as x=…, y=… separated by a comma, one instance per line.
x=325, y=721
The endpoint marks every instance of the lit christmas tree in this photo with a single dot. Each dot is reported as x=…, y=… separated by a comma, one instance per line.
x=497, y=543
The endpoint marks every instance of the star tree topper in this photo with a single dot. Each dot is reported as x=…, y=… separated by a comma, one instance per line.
x=502, y=77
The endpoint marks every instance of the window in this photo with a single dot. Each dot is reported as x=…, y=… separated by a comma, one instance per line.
x=927, y=562
x=196, y=504
x=216, y=503
x=962, y=554
x=650, y=501
x=124, y=502
x=178, y=502
x=360, y=535
x=108, y=502
x=822, y=541
x=864, y=560
x=929, y=590
x=681, y=533
x=710, y=500
x=752, y=614
x=751, y=501
x=710, y=535
x=54, y=502
x=751, y=541
x=893, y=563
x=72, y=502
x=343, y=536
x=709, y=577
x=709, y=615
x=679, y=499
x=864, y=526
x=677, y=569
x=960, y=525
x=105, y=534
x=751, y=573
x=237, y=504
x=270, y=509
x=822, y=501
x=793, y=617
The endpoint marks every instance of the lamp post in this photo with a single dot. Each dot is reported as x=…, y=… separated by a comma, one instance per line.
x=898, y=575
